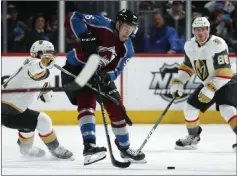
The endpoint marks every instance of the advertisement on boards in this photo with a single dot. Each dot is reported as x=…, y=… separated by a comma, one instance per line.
x=147, y=82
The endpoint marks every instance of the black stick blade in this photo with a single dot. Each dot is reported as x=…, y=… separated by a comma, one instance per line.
x=119, y=164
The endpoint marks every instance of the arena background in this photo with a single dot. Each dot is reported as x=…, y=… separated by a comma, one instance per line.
x=144, y=83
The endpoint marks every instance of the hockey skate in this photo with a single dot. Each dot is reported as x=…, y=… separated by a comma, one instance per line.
x=234, y=147
x=189, y=142
x=62, y=153
x=131, y=155
x=93, y=153
x=58, y=151
x=28, y=150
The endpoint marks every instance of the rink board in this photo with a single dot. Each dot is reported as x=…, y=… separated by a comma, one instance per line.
x=144, y=88
x=138, y=117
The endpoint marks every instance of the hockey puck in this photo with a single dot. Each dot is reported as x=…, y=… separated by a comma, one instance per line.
x=170, y=167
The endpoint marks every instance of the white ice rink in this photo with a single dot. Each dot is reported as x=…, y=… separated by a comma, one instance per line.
x=214, y=156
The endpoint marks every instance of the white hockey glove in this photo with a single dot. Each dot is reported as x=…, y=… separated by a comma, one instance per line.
x=207, y=93
x=47, y=61
x=176, y=88
x=46, y=97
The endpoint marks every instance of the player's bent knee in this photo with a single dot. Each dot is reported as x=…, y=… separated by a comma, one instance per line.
x=227, y=111
x=44, y=124
x=191, y=113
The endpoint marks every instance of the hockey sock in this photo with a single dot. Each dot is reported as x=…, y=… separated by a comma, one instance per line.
x=191, y=119
x=233, y=123
x=192, y=126
x=46, y=132
x=50, y=140
x=121, y=132
x=26, y=138
x=230, y=115
x=86, y=120
x=119, y=125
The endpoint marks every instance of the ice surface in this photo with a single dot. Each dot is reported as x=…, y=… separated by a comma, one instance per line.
x=214, y=156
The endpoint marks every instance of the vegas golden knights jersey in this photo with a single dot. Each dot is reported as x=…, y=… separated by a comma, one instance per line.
x=29, y=75
x=209, y=60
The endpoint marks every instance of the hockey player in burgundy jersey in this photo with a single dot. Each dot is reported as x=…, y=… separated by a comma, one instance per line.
x=111, y=40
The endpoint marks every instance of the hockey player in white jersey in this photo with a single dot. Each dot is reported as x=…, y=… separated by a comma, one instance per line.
x=207, y=56
x=35, y=72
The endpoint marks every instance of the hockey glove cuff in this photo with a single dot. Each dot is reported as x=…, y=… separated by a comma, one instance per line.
x=101, y=78
x=176, y=88
x=206, y=94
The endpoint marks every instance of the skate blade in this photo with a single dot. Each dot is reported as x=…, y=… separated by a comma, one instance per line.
x=62, y=159
x=135, y=161
x=189, y=147
x=90, y=159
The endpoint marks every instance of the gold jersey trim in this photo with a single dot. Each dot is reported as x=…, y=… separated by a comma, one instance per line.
x=12, y=105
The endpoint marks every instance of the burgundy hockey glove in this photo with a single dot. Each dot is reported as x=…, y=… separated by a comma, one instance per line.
x=100, y=78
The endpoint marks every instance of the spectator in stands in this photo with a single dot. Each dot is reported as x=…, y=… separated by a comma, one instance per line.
x=222, y=23
x=15, y=30
x=52, y=29
x=38, y=31
x=163, y=38
x=146, y=5
x=175, y=17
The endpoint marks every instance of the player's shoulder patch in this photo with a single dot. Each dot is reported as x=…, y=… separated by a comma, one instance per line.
x=218, y=43
x=99, y=21
x=217, y=40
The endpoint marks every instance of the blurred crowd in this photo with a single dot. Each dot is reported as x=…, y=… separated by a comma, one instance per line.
x=161, y=26
x=166, y=31
x=22, y=34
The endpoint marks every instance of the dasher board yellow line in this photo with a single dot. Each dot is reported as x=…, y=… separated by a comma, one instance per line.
x=138, y=117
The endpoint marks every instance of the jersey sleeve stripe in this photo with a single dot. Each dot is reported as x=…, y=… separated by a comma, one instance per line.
x=187, y=69
x=71, y=24
x=225, y=77
x=224, y=72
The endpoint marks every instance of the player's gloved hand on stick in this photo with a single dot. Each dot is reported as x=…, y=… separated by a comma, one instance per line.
x=47, y=61
x=176, y=88
x=88, y=43
x=207, y=93
x=46, y=97
x=100, y=78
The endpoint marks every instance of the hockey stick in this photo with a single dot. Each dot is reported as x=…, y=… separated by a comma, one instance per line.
x=113, y=160
x=127, y=119
x=79, y=82
x=155, y=126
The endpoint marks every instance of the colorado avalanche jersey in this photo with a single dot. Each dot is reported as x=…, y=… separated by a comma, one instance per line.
x=209, y=60
x=114, y=53
x=28, y=76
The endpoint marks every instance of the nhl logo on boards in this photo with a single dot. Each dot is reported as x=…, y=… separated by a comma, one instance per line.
x=161, y=80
